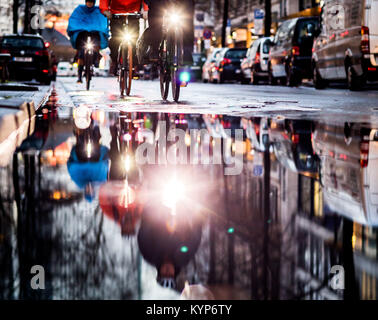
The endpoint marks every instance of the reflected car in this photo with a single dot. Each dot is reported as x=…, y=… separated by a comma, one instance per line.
x=349, y=170
x=227, y=66
x=257, y=131
x=255, y=65
x=292, y=146
x=31, y=57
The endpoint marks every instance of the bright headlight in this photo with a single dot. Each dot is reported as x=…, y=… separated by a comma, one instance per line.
x=174, y=18
x=89, y=45
x=127, y=37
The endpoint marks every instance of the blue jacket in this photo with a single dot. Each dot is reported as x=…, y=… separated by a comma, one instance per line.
x=90, y=20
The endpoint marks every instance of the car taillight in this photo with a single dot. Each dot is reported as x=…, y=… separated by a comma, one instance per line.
x=295, y=51
x=4, y=51
x=42, y=53
x=257, y=60
x=364, y=151
x=365, y=47
x=295, y=138
x=226, y=61
x=45, y=71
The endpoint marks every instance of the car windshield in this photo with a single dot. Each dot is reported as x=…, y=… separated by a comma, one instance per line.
x=266, y=46
x=18, y=42
x=197, y=58
x=236, y=54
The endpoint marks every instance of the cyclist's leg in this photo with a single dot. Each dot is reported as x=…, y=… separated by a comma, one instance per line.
x=116, y=27
x=134, y=29
x=95, y=36
x=155, y=14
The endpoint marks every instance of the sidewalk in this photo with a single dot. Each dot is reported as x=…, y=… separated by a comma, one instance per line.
x=18, y=104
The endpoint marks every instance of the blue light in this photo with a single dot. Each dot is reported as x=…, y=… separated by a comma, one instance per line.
x=184, y=76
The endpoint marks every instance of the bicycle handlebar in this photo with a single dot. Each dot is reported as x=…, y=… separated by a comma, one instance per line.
x=134, y=14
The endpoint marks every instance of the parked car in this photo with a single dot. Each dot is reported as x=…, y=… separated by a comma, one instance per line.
x=196, y=68
x=291, y=51
x=209, y=64
x=349, y=170
x=227, y=65
x=31, y=57
x=292, y=145
x=65, y=69
x=255, y=65
x=347, y=45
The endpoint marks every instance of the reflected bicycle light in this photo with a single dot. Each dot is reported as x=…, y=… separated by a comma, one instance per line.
x=89, y=149
x=173, y=192
x=127, y=163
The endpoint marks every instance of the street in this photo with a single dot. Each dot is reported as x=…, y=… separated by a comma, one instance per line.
x=333, y=104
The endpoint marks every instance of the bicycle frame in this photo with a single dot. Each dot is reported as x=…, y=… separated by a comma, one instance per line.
x=125, y=64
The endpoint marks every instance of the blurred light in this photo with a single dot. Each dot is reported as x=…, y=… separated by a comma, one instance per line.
x=184, y=76
x=184, y=249
x=127, y=163
x=127, y=137
x=174, y=18
x=173, y=193
x=127, y=37
x=89, y=149
x=230, y=230
x=187, y=139
x=89, y=45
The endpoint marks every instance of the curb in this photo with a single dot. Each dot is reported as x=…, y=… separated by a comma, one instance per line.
x=17, y=122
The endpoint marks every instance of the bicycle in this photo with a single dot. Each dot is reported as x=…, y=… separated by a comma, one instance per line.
x=171, y=57
x=88, y=61
x=125, y=55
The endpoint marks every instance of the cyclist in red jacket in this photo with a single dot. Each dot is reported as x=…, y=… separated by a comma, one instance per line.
x=111, y=7
x=155, y=13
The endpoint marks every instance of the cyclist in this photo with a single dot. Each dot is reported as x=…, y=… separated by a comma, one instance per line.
x=154, y=32
x=111, y=7
x=87, y=21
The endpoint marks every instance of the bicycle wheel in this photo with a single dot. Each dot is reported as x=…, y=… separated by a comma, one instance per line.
x=164, y=73
x=122, y=71
x=176, y=53
x=88, y=73
x=129, y=68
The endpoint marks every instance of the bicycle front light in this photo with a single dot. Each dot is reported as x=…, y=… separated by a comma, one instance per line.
x=89, y=45
x=175, y=18
x=127, y=37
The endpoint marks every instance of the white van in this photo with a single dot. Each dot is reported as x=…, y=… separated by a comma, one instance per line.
x=347, y=45
x=349, y=170
x=255, y=65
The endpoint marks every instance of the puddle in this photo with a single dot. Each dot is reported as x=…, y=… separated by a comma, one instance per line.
x=114, y=204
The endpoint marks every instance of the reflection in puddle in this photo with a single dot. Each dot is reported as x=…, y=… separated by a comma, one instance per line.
x=76, y=199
